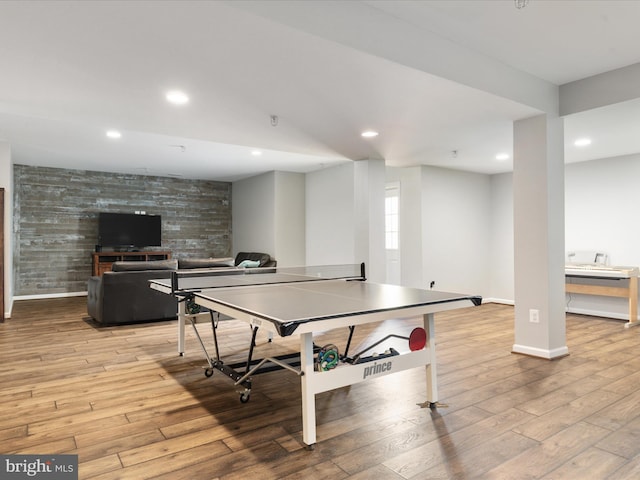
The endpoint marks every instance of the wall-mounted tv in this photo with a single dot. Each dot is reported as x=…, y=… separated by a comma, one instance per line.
x=129, y=230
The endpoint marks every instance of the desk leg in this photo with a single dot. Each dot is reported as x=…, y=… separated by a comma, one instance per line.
x=308, y=395
x=633, y=302
x=432, y=374
x=181, y=321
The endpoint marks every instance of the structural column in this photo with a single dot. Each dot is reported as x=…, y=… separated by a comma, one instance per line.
x=369, y=190
x=538, y=186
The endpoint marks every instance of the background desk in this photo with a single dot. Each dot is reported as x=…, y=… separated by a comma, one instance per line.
x=627, y=276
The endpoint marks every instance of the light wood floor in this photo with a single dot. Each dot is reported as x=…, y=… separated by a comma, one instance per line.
x=129, y=407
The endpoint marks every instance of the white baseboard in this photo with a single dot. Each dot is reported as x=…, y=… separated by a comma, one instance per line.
x=497, y=300
x=577, y=311
x=540, y=352
x=49, y=295
x=597, y=313
x=9, y=307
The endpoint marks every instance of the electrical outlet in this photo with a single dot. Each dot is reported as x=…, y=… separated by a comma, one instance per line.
x=534, y=315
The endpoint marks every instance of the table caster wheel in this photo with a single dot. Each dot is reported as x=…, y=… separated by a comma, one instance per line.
x=208, y=372
x=244, y=397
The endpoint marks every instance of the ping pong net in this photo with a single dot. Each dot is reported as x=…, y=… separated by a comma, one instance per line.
x=184, y=282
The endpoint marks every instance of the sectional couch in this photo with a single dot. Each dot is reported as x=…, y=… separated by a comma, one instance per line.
x=123, y=296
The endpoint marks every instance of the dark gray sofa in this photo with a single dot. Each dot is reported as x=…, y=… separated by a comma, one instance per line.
x=123, y=296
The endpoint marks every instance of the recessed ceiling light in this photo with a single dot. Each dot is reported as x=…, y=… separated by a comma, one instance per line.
x=256, y=153
x=502, y=156
x=113, y=134
x=582, y=142
x=369, y=134
x=177, y=97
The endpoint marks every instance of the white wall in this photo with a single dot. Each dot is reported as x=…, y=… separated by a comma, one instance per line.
x=602, y=206
x=345, y=216
x=600, y=214
x=290, y=207
x=268, y=215
x=445, y=228
x=501, y=261
x=411, y=250
x=456, y=230
x=6, y=182
x=369, y=194
x=456, y=227
x=253, y=214
x=330, y=203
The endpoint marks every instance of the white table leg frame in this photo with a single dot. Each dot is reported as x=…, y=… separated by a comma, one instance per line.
x=431, y=368
x=314, y=382
x=308, y=395
x=182, y=322
x=182, y=313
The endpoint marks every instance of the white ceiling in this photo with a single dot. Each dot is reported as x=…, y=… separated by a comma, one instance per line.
x=72, y=70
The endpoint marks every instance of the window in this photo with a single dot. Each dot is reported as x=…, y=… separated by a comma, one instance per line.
x=391, y=227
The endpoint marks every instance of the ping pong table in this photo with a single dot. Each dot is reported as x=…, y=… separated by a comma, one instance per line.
x=307, y=300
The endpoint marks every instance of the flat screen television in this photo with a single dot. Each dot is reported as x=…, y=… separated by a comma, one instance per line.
x=129, y=230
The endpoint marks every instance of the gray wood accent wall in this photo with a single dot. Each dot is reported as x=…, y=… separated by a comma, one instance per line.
x=56, y=221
